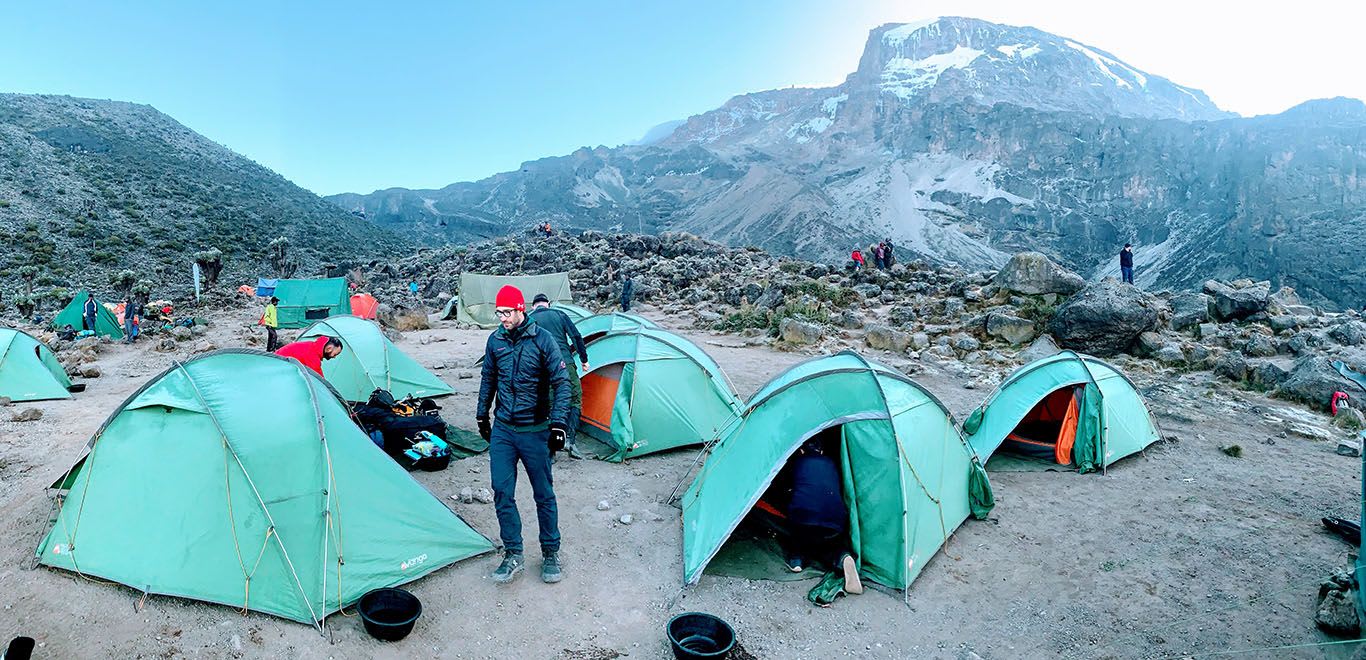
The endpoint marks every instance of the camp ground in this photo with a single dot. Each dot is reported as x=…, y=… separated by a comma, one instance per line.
x=477, y=292
x=305, y=301
x=910, y=479
x=239, y=478
x=1066, y=409
x=28, y=369
x=651, y=390
x=106, y=324
x=370, y=361
x=599, y=325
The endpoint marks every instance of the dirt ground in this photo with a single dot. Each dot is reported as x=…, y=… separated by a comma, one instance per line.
x=1181, y=551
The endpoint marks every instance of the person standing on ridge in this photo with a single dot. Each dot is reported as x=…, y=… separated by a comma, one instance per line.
x=1126, y=263
x=888, y=257
x=524, y=373
x=271, y=320
x=628, y=287
x=567, y=337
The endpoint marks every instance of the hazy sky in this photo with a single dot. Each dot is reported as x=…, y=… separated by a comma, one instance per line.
x=351, y=96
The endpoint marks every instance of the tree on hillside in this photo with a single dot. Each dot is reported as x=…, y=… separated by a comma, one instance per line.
x=27, y=274
x=142, y=292
x=210, y=266
x=280, y=258
x=123, y=282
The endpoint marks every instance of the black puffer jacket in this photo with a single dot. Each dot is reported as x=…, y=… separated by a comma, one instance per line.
x=524, y=370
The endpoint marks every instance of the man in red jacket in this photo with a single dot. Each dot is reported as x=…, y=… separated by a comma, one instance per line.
x=312, y=352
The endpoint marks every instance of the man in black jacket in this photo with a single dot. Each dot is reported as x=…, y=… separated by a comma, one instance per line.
x=1126, y=263
x=524, y=372
x=567, y=337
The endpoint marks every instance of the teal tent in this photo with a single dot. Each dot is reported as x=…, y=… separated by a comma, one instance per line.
x=574, y=312
x=305, y=301
x=28, y=369
x=239, y=478
x=370, y=361
x=106, y=324
x=1068, y=408
x=598, y=325
x=910, y=479
x=651, y=390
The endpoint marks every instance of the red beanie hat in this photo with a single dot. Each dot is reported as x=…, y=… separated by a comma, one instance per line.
x=510, y=296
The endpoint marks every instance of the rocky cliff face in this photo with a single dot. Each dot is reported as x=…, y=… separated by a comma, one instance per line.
x=966, y=141
x=90, y=187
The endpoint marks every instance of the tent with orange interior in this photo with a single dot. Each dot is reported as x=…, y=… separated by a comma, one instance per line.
x=1069, y=409
x=364, y=305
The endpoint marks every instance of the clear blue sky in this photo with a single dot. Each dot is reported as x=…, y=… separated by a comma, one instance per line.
x=350, y=97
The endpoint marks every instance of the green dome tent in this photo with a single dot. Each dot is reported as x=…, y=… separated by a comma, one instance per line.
x=371, y=361
x=106, y=324
x=1069, y=408
x=305, y=301
x=651, y=390
x=909, y=478
x=574, y=312
x=477, y=293
x=598, y=325
x=28, y=369
x=239, y=478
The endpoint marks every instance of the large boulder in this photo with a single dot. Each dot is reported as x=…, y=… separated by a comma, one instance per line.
x=1032, y=274
x=1189, y=309
x=1011, y=328
x=1105, y=318
x=1230, y=303
x=881, y=337
x=799, y=332
x=1312, y=381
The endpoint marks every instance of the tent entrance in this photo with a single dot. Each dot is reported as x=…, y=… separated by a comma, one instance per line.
x=606, y=415
x=756, y=550
x=1049, y=431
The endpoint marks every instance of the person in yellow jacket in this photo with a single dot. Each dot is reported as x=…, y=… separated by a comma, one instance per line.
x=271, y=320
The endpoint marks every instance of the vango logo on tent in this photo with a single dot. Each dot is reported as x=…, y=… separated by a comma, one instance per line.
x=414, y=562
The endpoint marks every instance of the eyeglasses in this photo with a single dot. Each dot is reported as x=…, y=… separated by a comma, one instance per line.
x=504, y=313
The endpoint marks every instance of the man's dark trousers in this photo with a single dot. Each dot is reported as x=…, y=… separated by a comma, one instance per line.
x=506, y=447
x=1127, y=272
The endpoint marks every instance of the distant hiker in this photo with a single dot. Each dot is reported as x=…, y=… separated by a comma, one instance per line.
x=89, y=314
x=562, y=329
x=628, y=289
x=130, y=321
x=271, y=320
x=888, y=257
x=412, y=288
x=857, y=258
x=1126, y=263
x=524, y=373
x=817, y=517
x=548, y=231
x=880, y=256
x=312, y=352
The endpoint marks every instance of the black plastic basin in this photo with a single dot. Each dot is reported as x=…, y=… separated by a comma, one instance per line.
x=389, y=614
x=697, y=636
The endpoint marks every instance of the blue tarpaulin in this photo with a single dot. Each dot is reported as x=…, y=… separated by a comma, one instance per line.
x=265, y=287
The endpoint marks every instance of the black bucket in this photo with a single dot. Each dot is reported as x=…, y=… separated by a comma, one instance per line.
x=389, y=614
x=696, y=636
x=20, y=648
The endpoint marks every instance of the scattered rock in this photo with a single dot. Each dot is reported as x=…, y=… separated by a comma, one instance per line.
x=1234, y=303
x=91, y=371
x=1351, y=333
x=1105, y=318
x=1232, y=366
x=1041, y=348
x=1235, y=451
x=1013, y=329
x=966, y=343
x=1189, y=309
x=1350, y=446
x=604, y=505
x=27, y=415
x=626, y=519
x=467, y=495
x=1032, y=273
x=1337, y=610
x=181, y=333
x=464, y=375
x=5, y=402
x=793, y=331
x=1171, y=355
x=483, y=496
x=166, y=345
x=1259, y=346
x=204, y=347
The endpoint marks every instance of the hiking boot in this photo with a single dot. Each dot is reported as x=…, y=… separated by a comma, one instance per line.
x=550, y=568
x=852, y=584
x=795, y=563
x=511, y=566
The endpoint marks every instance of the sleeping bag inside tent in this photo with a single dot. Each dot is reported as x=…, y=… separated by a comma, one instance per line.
x=651, y=390
x=369, y=361
x=598, y=325
x=909, y=478
x=28, y=369
x=238, y=478
x=1067, y=409
x=477, y=292
x=305, y=301
x=106, y=324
